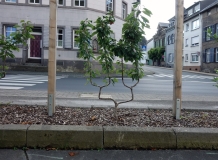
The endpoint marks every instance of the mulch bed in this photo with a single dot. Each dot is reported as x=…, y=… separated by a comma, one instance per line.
x=15, y=114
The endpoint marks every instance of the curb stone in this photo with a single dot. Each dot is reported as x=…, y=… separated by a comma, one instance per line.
x=96, y=137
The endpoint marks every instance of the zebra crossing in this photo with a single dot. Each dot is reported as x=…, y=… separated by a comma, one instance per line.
x=183, y=76
x=16, y=82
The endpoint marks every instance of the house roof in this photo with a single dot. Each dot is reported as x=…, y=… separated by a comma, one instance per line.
x=161, y=24
x=211, y=5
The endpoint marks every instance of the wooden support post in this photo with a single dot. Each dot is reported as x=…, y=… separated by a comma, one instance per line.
x=177, y=82
x=52, y=57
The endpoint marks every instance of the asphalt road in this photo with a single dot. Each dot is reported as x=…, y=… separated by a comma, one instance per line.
x=159, y=83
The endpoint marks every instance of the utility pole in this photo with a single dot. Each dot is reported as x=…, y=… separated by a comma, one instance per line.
x=52, y=57
x=177, y=81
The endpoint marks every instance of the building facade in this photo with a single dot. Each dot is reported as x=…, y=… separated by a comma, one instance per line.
x=192, y=40
x=159, y=38
x=69, y=15
x=209, y=45
x=170, y=43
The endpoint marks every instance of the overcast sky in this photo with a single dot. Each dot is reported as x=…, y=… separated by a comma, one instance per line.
x=162, y=11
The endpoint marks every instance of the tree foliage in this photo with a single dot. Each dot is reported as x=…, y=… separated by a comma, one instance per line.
x=156, y=53
x=10, y=44
x=143, y=41
x=127, y=48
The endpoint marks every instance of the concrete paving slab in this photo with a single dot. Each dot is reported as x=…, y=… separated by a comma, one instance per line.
x=139, y=138
x=63, y=137
x=123, y=155
x=13, y=135
x=9, y=154
x=197, y=138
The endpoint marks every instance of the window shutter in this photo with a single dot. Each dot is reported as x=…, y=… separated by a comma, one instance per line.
x=46, y=36
x=1, y=31
x=68, y=37
x=204, y=35
x=213, y=29
x=211, y=55
x=204, y=57
x=172, y=57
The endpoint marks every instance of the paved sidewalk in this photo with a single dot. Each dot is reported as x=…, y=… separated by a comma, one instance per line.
x=86, y=95
x=33, y=154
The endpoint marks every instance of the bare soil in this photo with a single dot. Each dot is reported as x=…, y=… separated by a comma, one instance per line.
x=15, y=114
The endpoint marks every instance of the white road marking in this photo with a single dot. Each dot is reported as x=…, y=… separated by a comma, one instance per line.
x=7, y=87
x=16, y=84
x=20, y=81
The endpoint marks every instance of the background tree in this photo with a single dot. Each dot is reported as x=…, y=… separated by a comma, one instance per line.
x=10, y=44
x=144, y=41
x=127, y=48
x=152, y=54
x=160, y=54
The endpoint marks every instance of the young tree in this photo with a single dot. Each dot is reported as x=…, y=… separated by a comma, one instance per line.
x=127, y=48
x=10, y=44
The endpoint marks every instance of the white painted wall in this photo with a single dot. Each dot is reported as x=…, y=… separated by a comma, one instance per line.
x=189, y=49
x=97, y=4
x=45, y=2
x=21, y=1
x=68, y=2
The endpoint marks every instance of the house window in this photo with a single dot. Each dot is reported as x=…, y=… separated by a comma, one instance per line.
x=9, y=30
x=207, y=35
x=186, y=57
x=13, y=1
x=197, y=8
x=168, y=39
x=216, y=54
x=195, y=24
x=60, y=2
x=194, y=57
x=60, y=34
x=34, y=1
x=186, y=42
x=208, y=12
x=95, y=45
x=109, y=5
x=195, y=41
x=190, y=12
x=124, y=12
x=187, y=27
x=207, y=55
x=75, y=44
x=170, y=57
x=172, y=38
x=79, y=3
x=216, y=28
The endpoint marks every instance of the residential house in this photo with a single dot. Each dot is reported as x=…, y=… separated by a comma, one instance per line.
x=150, y=44
x=192, y=35
x=159, y=37
x=69, y=15
x=170, y=42
x=209, y=45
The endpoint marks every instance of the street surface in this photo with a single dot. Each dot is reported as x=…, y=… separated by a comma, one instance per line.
x=34, y=154
x=159, y=83
x=153, y=91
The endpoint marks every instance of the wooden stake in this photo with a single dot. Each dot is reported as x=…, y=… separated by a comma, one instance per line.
x=177, y=82
x=52, y=57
